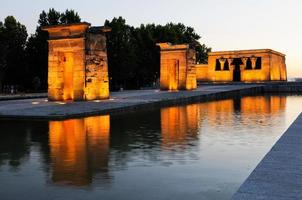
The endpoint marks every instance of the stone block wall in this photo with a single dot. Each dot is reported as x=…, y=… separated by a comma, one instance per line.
x=271, y=66
x=202, y=72
x=77, y=63
x=177, y=67
x=97, y=81
x=191, y=82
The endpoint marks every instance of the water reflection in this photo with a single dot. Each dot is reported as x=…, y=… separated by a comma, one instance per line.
x=218, y=113
x=17, y=140
x=79, y=149
x=199, y=149
x=82, y=146
x=263, y=104
x=179, y=126
x=260, y=110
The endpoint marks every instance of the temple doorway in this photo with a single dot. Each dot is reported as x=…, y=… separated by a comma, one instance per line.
x=66, y=59
x=236, y=73
x=173, y=74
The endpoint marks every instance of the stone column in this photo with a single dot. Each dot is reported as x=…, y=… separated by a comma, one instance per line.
x=253, y=61
x=222, y=61
x=243, y=66
x=244, y=60
x=231, y=67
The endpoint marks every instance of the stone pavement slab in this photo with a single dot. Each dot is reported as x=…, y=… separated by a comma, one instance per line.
x=4, y=97
x=119, y=101
x=279, y=175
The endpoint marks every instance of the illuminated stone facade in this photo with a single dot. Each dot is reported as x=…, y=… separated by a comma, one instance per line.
x=177, y=67
x=245, y=65
x=77, y=62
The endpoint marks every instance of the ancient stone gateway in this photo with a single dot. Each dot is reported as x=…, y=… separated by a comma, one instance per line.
x=77, y=62
x=177, y=67
x=244, y=65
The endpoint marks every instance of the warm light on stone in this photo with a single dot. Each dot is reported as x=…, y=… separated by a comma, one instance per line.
x=245, y=65
x=177, y=67
x=77, y=62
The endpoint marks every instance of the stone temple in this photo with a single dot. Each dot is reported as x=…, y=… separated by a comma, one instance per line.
x=77, y=62
x=177, y=67
x=245, y=65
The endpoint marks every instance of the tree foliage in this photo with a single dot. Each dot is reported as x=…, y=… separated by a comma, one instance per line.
x=133, y=55
x=13, y=37
x=122, y=57
x=69, y=16
x=3, y=51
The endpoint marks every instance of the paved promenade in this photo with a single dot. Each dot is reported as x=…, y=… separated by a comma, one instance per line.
x=4, y=97
x=119, y=101
x=279, y=175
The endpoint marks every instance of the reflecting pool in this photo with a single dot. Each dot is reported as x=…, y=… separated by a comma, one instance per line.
x=196, y=151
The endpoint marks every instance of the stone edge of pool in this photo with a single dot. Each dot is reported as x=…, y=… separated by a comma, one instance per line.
x=84, y=109
x=135, y=100
x=279, y=173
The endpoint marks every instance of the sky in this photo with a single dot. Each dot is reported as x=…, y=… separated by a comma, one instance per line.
x=223, y=24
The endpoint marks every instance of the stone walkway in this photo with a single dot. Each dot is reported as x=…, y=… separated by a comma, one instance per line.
x=119, y=101
x=4, y=97
x=279, y=175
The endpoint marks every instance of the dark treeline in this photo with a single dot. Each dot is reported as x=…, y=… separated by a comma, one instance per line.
x=132, y=52
x=23, y=59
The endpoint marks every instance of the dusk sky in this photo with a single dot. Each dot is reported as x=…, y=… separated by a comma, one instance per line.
x=223, y=24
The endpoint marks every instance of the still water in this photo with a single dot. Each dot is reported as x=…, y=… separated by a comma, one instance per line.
x=197, y=151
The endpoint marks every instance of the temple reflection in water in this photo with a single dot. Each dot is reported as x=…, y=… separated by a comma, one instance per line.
x=179, y=125
x=81, y=150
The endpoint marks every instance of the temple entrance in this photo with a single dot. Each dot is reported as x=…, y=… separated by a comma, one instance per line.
x=66, y=59
x=236, y=73
x=173, y=74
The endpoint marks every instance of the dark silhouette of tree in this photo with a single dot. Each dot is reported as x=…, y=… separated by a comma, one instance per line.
x=121, y=54
x=3, y=52
x=13, y=37
x=69, y=16
x=133, y=55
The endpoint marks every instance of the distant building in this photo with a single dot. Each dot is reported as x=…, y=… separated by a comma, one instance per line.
x=177, y=67
x=244, y=65
x=298, y=79
x=77, y=62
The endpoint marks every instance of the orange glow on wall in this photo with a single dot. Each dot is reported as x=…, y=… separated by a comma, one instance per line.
x=271, y=67
x=79, y=148
x=202, y=72
x=177, y=67
x=173, y=75
x=68, y=76
x=77, y=62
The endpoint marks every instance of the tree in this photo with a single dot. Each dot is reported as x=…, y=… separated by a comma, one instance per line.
x=70, y=16
x=121, y=54
x=13, y=37
x=133, y=55
x=37, y=46
x=3, y=52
